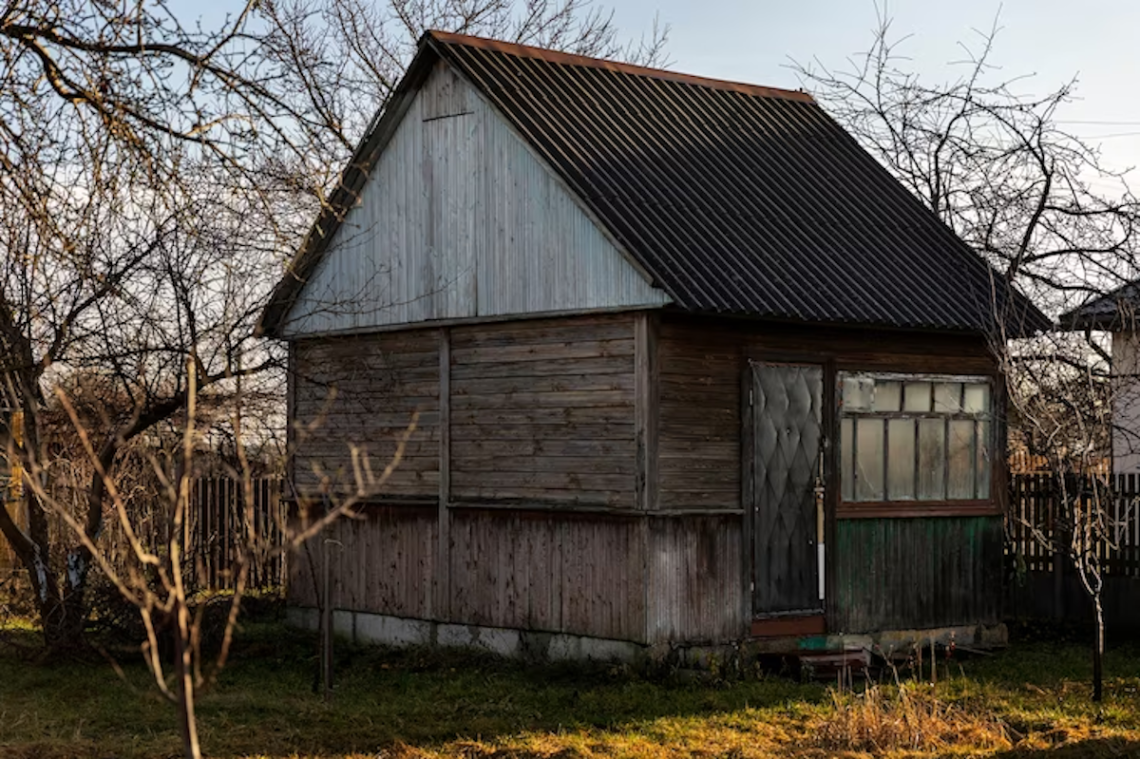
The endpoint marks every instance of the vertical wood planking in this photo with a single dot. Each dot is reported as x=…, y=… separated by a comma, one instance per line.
x=912, y=573
x=694, y=579
x=460, y=219
x=580, y=574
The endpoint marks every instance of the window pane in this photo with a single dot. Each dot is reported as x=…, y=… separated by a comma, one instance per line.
x=869, y=459
x=857, y=393
x=977, y=399
x=917, y=397
x=900, y=459
x=847, y=457
x=931, y=459
x=961, y=480
x=984, y=461
x=947, y=397
x=888, y=395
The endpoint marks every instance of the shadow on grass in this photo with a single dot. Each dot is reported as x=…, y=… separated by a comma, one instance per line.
x=1089, y=748
x=263, y=702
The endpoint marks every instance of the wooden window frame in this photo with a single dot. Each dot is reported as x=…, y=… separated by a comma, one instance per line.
x=904, y=508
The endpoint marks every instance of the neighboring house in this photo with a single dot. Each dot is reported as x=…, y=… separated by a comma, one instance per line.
x=690, y=367
x=1115, y=313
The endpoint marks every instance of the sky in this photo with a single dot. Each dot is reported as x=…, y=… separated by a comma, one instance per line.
x=1097, y=41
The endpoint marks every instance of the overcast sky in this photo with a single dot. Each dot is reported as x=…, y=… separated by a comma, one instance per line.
x=1097, y=41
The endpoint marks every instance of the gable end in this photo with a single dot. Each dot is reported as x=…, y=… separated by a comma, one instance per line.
x=459, y=219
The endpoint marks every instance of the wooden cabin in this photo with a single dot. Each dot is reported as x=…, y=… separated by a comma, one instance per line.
x=691, y=368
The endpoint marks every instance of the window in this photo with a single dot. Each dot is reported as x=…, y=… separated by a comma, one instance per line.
x=914, y=438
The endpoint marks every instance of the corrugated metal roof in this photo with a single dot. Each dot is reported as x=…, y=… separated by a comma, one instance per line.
x=736, y=199
x=1117, y=310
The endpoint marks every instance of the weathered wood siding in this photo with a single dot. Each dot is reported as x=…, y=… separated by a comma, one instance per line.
x=894, y=574
x=699, y=428
x=461, y=220
x=573, y=573
x=702, y=362
x=542, y=411
x=694, y=579
x=364, y=391
x=547, y=520
x=382, y=562
x=540, y=419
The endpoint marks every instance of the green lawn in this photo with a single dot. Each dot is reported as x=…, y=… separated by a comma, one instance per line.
x=1033, y=698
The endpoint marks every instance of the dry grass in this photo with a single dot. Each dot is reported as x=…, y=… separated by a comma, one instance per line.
x=910, y=717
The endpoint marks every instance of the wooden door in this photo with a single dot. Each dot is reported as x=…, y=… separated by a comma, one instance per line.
x=787, y=488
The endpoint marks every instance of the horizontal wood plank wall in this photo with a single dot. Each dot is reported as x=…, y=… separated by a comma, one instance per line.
x=383, y=562
x=699, y=427
x=543, y=412
x=557, y=572
x=364, y=391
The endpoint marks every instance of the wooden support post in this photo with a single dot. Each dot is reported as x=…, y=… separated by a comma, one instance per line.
x=747, y=503
x=326, y=621
x=646, y=391
x=645, y=411
x=443, y=547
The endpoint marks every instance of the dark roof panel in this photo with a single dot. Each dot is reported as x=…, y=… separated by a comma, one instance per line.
x=739, y=199
x=1115, y=311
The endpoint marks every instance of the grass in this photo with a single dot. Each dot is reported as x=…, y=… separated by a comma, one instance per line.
x=1031, y=701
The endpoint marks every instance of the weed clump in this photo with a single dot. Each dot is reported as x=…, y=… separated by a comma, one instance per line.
x=909, y=717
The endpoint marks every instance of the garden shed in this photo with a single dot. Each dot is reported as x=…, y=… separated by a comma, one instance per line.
x=691, y=369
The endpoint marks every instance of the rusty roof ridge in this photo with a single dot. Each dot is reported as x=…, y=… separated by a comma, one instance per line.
x=633, y=69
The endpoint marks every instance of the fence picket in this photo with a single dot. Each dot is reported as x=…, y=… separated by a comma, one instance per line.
x=1036, y=507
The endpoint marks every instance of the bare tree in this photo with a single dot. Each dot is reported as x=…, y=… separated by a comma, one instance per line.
x=152, y=577
x=153, y=176
x=994, y=163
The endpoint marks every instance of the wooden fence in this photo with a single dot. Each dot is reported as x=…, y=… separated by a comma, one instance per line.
x=218, y=526
x=1042, y=582
x=215, y=527
x=1035, y=516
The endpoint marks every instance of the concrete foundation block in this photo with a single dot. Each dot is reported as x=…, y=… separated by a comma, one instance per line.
x=392, y=631
x=344, y=623
x=453, y=636
x=577, y=647
x=496, y=640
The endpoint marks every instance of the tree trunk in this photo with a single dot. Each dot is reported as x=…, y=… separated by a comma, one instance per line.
x=1098, y=650
x=186, y=715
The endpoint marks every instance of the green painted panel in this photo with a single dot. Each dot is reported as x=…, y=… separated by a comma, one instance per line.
x=898, y=574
